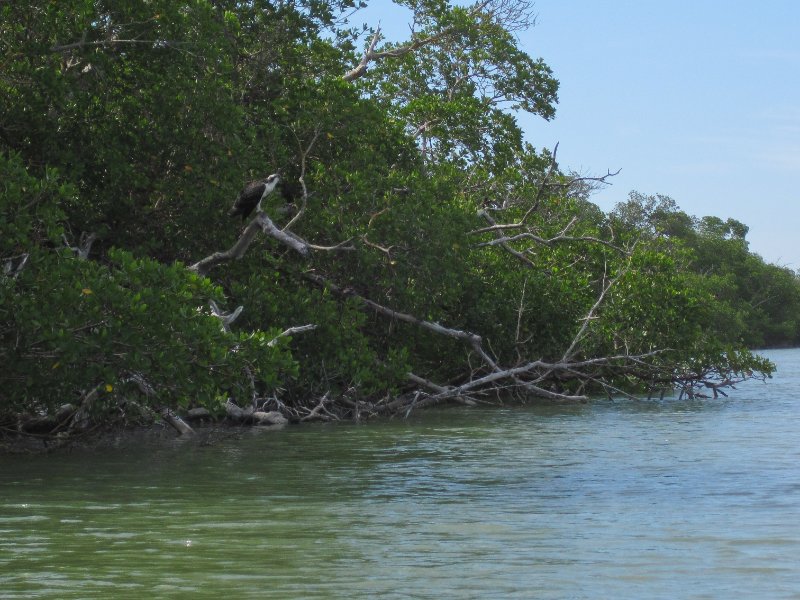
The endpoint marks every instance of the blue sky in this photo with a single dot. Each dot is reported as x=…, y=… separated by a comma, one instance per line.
x=698, y=100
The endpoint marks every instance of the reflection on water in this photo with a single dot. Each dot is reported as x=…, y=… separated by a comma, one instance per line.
x=607, y=500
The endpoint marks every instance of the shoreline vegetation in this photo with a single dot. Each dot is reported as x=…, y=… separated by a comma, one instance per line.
x=411, y=249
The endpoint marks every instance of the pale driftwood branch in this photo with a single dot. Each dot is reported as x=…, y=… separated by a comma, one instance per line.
x=435, y=387
x=344, y=245
x=272, y=417
x=361, y=68
x=511, y=373
x=292, y=241
x=539, y=369
x=147, y=390
x=234, y=252
x=265, y=224
x=498, y=373
x=84, y=244
x=13, y=265
x=472, y=338
x=141, y=383
x=178, y=424
x=236, y=413
x=252, y=416
x=225, y=318
x=319, y=412
x=291, y=331
x=439, y=390
x=528, y=377
x=393, y=314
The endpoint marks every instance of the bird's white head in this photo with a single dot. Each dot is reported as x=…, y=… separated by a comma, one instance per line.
x=270, y=182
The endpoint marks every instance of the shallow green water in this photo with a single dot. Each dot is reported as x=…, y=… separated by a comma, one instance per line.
x=607, y=500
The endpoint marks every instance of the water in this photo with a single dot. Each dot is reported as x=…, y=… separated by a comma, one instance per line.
x=661, y=499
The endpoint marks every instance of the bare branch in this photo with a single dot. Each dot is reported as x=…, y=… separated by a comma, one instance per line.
x=370, y=55
x=319, y=412
x=291, y=331
x=303, y=159
x=504, y=243
x=181, y=426
x=569, y=353
x=560, y=237
x=225, y=318
x=141, y=383
x=84, y=244
x=359, y=70
x=234, y=252
x=13, y=265
x=260, y=221
x=288, y=239
x=471, y=338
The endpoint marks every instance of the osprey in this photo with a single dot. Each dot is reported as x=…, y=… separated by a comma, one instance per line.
x=251, y=196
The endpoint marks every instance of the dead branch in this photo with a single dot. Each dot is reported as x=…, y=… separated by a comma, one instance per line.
x=251, y=416
x=319, y=412
x=235, y=252
x=291, y=331
x=504, y=240
x=13, y=265
x=471, y=338
x=498, y=373
x=367, y=242
x=504, y=243
x=141, y=383
x=225, y=318
x=178, y=424
x=264, y=223
x=236, y=413
x=370, y=55
x=304, y=152
x=436, y=388
x=272, y=417
x=569, y=353
x=84, y=244
x=293, y=241
x=545, y=186
x=537, y=378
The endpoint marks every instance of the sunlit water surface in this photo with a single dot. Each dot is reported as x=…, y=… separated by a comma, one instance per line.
x=661, y=499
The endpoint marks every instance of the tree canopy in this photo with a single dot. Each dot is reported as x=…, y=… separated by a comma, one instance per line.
x=419, y=249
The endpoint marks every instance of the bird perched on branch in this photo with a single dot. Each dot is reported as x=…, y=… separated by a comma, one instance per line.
x=251, y=196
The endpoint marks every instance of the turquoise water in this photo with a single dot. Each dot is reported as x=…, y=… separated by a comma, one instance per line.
x=660, y=499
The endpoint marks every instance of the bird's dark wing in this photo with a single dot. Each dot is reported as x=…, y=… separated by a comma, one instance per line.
x=247, y=200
